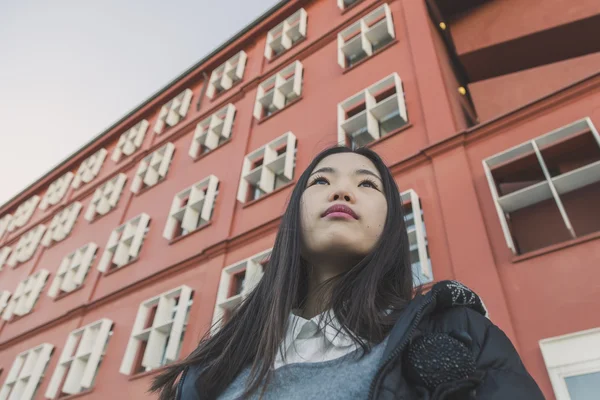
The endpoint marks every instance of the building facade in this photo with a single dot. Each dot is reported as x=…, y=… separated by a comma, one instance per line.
x=121, y=258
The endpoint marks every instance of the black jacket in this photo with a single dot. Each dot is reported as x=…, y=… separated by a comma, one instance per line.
x=442, y=347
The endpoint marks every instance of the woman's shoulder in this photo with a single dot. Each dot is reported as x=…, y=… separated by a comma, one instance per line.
x=186, y=387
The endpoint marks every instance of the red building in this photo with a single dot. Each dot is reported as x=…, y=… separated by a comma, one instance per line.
x=117, y=261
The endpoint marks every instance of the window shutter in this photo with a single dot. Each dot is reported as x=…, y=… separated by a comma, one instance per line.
x=228, y=121
x=241, y=65
x=169, y=149
x=96, y=354
x=113, y=241
x=4, y=253
x=290, y=156
x=138, y=237
x=258, y=108
x=420, y=230
x=243, y=188
x=61, y=369
x=133, y=345
x=86, y=262
x=185, y=102
x=209, y=199
x=178, y=323
x=117, y=189
x=389, y=22
x=278, y=96
x=38, y=369
x=341, y=55
x=365, y=42
x=302, y=22
x=59, y=278
x=38, y=284
x=298, y=78
x=12, y=305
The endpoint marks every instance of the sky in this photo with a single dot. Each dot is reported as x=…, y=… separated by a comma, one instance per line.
x=69, y=69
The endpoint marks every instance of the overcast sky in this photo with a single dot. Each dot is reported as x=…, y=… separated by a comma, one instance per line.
x=70, y=68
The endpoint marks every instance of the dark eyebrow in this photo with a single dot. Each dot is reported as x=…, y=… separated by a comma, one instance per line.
x=357, y=172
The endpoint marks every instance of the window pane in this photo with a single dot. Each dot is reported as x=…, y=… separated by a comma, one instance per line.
x=584, y=387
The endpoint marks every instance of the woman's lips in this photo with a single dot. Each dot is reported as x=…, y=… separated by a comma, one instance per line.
x=340, y=211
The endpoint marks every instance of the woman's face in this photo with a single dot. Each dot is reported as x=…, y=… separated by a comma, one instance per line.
x=343, y=208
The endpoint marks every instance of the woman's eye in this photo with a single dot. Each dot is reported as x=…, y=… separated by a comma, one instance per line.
x=368, y=183
x=319, y=181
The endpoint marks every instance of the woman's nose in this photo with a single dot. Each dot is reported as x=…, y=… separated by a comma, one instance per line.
x=341, y=195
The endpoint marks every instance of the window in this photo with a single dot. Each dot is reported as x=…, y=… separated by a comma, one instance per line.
x=23, y=213
x=226, y=75
x=4, y=253
x=158, y=331
x=153, y=168
x=56, y=191
x=279, y=90
x=573, y=363
x=26, y=295
x=89, y=168
x=213, y=131
x=237, y=282
x=26, y=373
x=72, y=270
x=372, y=113
x=268, y=168
x=547, y=190
x=174, y=111
x=363, y=38
x=417, y=238
x=130, y=141
x=344, y=4
x=192, y=208
x=26, y=246
x=124, y=243
x=4, y=297
x=62, y=224
x=286, y=34
x=106, y=197
x=4, y=222
x=80, y=359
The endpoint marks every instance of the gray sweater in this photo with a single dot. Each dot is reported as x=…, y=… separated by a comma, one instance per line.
x=347, y=377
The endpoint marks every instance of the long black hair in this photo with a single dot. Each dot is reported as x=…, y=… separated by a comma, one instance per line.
x=366, y=299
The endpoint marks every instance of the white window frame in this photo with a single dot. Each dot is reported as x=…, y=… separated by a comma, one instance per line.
x=164, y=335
x=263, y=176
x=62, y=224
x=374, y=111
x=174, y=111
x=285, y=35
x=213, y=131
x=225, y=75
x=130, y=141
x=26, y=295
x=153, y=168
x=106, y=197
x=4, y=254
x=4, y=298
x=125, y=243
x=80, y=359
x=253, y=267
x=26, y=372
x=72, y=270
x=196, y=212
x=370, y=34
x=342, y=5
x=551, y=188
x=26, y=246
x=23, y=213
x=417, y=237
x=89, y=168
x=4, y=223
x=56, y=191
x=279, y=90
x=568, y=355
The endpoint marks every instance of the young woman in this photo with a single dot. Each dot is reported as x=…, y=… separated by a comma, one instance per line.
x=335, y=315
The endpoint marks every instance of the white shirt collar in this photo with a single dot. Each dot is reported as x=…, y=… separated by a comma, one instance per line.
x=301, y=328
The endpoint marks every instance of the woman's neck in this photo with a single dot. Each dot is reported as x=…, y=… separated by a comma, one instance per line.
x=318, y=295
